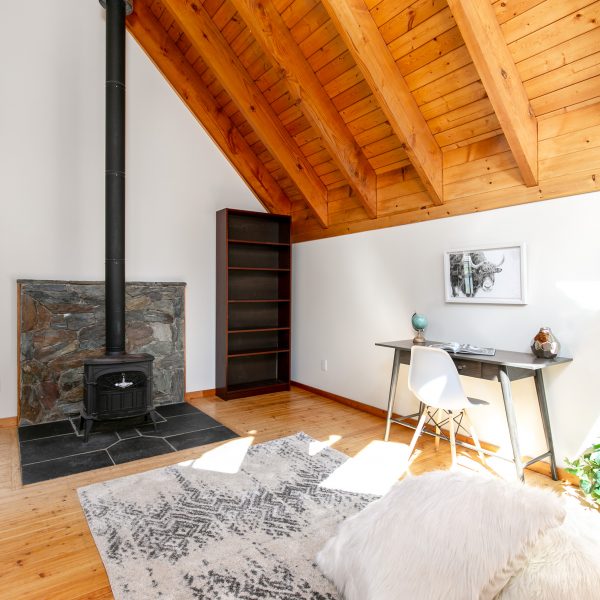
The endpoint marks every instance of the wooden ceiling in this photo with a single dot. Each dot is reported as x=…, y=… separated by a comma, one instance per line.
x=358, y=114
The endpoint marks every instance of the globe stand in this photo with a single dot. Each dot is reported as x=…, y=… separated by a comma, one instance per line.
x=419, y=338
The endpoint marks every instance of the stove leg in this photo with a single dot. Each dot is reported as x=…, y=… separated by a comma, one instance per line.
x=88, y=429
x=151, y=415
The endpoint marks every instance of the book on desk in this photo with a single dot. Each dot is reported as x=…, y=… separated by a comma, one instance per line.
x=458, y=348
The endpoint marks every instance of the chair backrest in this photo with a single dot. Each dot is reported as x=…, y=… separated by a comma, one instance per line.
x=434, y=380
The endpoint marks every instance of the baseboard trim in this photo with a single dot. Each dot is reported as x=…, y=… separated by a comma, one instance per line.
x=199, y=394
x=540, y=467
x=373, y=410
x=8, y=422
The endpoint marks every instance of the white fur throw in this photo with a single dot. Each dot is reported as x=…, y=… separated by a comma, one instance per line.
x=565, y=562
x=443, y=535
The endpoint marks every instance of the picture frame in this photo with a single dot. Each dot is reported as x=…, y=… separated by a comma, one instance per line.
x=487, y=274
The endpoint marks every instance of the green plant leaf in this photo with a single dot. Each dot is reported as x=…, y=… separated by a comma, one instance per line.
x=587, y=468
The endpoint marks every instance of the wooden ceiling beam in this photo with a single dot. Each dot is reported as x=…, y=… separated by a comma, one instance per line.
x=360, y=33
x=483, y=37
x=208, y=41
x=186, y=82
x=271, y=32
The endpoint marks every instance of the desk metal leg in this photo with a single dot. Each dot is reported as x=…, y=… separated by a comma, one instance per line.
x=512, y=421
x=541, y=396
x=392, y=394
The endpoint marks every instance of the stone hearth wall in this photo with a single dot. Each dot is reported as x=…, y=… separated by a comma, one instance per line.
x=62, y=323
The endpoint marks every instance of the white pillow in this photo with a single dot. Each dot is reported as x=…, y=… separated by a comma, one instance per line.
x=565, y=562
x=442, y=535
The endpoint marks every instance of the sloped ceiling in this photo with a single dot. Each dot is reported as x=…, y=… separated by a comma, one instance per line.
x=357, y=114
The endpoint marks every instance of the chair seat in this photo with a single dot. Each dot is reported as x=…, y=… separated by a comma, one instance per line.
x=478, y=402
x=464, y=404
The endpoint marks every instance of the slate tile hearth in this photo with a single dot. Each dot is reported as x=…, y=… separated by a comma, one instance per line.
x=53, y=450
x=179, y=424
x=140, y=447
x=44, y=430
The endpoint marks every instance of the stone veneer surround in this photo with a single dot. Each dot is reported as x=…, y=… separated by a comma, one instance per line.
x=61, y=323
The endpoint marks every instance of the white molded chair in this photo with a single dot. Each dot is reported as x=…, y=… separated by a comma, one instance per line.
x=434, y=380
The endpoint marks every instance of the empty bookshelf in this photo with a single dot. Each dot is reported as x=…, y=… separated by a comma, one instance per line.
x=253, y=303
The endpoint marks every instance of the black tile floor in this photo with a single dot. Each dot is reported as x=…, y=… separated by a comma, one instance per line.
x=56, y=449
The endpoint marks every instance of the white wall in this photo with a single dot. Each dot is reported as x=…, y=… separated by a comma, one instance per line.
x=52, y=175
x=355, y=290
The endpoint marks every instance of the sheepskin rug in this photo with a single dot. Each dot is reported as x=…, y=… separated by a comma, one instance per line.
x=565, y=562
x=443, y=535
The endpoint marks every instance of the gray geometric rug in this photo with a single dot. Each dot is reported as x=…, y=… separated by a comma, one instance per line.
x=185, y=532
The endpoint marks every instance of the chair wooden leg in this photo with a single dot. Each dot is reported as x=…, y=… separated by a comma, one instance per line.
x=438, y=419
x=452, y=438
x=475, y=438
x=420, y=424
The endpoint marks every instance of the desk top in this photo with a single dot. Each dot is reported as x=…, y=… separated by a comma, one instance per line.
x=506, y=358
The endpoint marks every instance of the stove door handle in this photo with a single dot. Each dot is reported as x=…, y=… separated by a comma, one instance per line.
x=123, y=384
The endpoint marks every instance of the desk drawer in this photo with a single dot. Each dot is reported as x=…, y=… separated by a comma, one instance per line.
x=467, y=367
x=491, y=372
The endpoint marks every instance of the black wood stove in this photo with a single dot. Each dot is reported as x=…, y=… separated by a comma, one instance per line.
x=117, y=385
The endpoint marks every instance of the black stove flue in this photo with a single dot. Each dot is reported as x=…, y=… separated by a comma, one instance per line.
x=117, y=385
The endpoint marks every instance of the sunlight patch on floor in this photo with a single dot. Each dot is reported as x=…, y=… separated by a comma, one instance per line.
x=316, y=446
x=227, y=458
x=372, y=471
x=492, y=466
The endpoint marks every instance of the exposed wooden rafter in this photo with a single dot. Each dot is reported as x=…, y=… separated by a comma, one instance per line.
x=165, y=54
x=407, y=89
x=208, y=41
x=277, y=42
x=483, y=37
x=357, y=28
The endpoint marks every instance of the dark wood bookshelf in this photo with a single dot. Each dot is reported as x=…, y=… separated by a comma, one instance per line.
x=258, y=329
x=264, y=386
x=256, y=352
x=255, y=269
x=257, y=243
x=253, y=331
x=257, y=301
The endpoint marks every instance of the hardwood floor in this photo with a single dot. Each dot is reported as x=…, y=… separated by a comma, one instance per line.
x=47, y=551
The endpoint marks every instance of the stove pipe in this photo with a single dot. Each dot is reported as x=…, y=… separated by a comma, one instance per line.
x=116, y=10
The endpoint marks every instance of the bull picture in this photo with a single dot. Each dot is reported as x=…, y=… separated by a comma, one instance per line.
x=471, y=272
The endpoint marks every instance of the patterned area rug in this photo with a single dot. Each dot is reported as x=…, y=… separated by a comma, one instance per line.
x=184, y=532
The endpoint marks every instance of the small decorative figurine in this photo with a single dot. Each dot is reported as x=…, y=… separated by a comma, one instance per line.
x=419, y=323
x=544, y=344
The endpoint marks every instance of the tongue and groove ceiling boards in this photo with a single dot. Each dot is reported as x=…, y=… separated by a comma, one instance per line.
x=352, y=115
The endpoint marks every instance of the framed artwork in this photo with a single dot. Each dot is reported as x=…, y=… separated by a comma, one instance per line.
x=488, y=274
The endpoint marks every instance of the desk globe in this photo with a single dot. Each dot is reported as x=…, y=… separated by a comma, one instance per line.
x=419, y=323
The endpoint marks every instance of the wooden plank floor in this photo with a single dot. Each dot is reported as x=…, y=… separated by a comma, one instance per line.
x=47, y=551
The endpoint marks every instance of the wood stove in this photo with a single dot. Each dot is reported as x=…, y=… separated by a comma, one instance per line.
x=117, y=385
x=117, y=388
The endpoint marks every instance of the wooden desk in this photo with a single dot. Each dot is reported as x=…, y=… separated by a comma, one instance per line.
x=504, y=366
